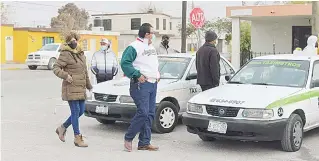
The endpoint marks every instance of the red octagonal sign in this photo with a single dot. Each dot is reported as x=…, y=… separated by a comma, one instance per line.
x=197, y=17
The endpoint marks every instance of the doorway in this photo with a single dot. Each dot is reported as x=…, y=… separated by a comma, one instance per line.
x=300, y=36
x=9, y=48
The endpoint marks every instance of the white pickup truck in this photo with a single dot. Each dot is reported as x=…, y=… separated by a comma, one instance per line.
x=46, y=56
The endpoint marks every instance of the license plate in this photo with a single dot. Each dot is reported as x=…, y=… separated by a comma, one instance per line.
x=218, y=127
x=102, y=109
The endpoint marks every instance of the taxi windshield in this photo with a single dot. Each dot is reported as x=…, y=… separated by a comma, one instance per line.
x=49, y=47
x=289, y=73
x=172, y=67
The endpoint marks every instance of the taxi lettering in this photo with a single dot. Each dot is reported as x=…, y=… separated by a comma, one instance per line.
x=227, y=101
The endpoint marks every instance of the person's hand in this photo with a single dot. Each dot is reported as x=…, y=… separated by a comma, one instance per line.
x=142, y=79
x=69, y=79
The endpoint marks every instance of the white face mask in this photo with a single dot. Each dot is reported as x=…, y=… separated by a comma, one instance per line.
x=103, y=47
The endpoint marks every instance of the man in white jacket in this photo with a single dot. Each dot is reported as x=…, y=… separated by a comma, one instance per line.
x=311, y=49
x=104, y=64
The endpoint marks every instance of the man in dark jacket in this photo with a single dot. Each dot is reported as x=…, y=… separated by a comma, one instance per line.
x=207, y=63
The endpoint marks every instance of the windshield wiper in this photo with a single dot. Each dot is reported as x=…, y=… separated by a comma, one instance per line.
x=235, y=82
x=266, y=84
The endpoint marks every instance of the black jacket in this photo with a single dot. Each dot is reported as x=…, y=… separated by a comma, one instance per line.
x=207, y=65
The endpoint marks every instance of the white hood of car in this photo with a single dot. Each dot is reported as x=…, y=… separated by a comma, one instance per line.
x=44, y=53
x=246, y=96
x=121, y=86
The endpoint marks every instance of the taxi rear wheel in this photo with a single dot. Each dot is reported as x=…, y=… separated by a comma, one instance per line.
x=103, y=121
x=206, y=138
x=166, y=118
x=293, y=134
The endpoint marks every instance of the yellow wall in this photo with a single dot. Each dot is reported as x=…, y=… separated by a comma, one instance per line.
x=25, y=42
x=98, y=38
x=5, y=31
x=35, y=40
x=20, y=45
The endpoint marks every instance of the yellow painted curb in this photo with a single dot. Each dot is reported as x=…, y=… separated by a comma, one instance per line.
x=11, y=68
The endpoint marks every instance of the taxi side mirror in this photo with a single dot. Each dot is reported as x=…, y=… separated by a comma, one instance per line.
x=191, y=76
x=227, y=78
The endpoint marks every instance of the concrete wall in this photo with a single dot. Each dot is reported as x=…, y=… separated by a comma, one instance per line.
x=263, y=32
x=122, y=23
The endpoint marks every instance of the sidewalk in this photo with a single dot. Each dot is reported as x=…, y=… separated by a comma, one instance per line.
x=13, y=66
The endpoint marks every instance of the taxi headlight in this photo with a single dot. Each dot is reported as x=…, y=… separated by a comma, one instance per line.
x=258, y=113
x=126, y=99
x=195, y=108
x=45, y=57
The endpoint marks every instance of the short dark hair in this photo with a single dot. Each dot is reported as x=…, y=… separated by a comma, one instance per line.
x=144, y=29
x=165, y=37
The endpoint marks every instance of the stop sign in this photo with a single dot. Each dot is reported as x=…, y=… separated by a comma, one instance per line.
x=197, y=17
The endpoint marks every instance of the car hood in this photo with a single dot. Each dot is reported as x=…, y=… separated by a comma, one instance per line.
x=121, y=86
x=246, y=96
x=44, y=53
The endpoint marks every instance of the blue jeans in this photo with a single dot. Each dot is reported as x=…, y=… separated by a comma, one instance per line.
x=144, y=96
x=77, y=109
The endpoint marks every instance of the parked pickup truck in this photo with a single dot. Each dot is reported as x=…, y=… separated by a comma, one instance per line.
x=46, y=56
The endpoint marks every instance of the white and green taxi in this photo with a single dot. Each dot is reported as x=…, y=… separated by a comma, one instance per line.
x=271, y=98
x=111, y=100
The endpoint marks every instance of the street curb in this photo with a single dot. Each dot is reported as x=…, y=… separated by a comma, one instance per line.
x=11, y=68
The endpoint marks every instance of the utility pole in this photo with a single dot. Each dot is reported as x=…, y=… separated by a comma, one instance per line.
x=315, y=18
x=184, y=10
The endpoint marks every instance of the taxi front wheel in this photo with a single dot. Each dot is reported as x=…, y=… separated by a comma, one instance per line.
x=293, y=134
x=166, y=117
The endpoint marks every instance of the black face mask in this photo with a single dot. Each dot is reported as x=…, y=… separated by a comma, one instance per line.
x=165, y=42
x=73, y=45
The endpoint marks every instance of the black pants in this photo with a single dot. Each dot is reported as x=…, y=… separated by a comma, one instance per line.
x=103, y=78
x=206, y=87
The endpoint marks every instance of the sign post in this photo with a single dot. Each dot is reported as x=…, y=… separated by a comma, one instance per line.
x=197, y=19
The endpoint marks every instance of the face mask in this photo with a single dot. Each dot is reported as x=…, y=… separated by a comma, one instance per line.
x=103, y=47
x=153, y=38
x=165, y=42
x=73, y=45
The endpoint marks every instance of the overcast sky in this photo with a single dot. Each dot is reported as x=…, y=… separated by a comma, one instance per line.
x=28, y=13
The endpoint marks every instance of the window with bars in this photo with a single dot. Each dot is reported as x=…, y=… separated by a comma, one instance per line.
x=107, y=24
x=157, y=23
x=135, y=23
x=47, y=40
x=164, y=24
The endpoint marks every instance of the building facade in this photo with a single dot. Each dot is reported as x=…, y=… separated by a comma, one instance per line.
x=17, y=43
x=128, y=24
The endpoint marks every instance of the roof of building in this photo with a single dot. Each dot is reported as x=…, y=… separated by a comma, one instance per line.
x=133, y=13
x=10, y=25
x=33, y=29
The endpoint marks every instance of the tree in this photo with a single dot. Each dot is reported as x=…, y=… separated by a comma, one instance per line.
x=70, y=18
x=4, y=13
x=220, y=26
x=150, y=8
x=245, y=36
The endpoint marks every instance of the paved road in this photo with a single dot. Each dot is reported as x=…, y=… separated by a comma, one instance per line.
x=31, y=109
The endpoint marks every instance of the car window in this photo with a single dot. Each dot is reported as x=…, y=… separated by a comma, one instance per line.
x=172, y=67
x=193, y=70
x=49, y=47
x=222, y=67
x=228, y=68
x=290, y=73
x=315, y=74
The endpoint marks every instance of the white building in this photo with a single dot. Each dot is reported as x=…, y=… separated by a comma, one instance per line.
x=128, y=24
x=275, y=29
